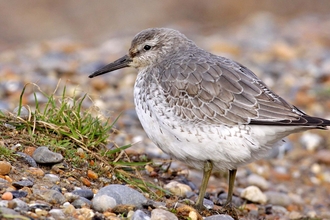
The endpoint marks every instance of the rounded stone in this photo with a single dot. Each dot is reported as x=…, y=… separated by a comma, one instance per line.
x=5, y=167
x=161, y=214
x=103, y=202
x=254, y=194
x=178, y=189
x=44, y=155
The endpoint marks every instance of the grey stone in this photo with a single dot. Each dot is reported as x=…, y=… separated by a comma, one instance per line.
x=57, y=214
x=23, y=183
x=52, y=196
x=44, y=155
x=86, y=193
x=161, y=214
x=219, y=217
x=81, y=202
x=258, y=181
x=52, y=178
x=278, y=198
x=103, y=202
x=17, y=203
x=123, y=194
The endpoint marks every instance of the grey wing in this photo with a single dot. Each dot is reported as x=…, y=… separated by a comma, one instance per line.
x=225, y=92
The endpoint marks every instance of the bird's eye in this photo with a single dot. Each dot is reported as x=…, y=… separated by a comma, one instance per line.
x=147, y=47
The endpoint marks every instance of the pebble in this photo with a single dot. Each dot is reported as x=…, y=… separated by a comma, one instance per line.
x=44, y=155
x=104, y=202
x=36, y=171
x=258, y=181
x=22, y=183
x=92, y=175
x=311, y=141
x=81, y=202
x=278, y=198
x=52, y=178
x=57, y=214
x=254, y=194
x=52, y=196
x=28, y=159
x=219, y=217
x=5, y=167
x=86, y=193
x=7, y=196
x=122, y=194
x=24, y=112
x=323, y=156
x=44, y=206
x=85, y=213
x=178, y=189
x=161, y=214
x=237, y=201
x=19, y=193
x=140, y=215
x=69, y=209
x=17, y=203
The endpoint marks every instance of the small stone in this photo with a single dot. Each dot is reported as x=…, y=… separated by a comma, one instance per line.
x=7, y=196
x=44, y=155
x=36, y=171
x=258, y=181
x=254, y=194
x=222, y=198
x=219, y=217
x=86, y=193
x=70, y=197
x=178, y=189
x=92, y=175
x=22, y=183
x=41, y=212
x=85, y=181
x=160, y=214
x=17, y=203
x=52, y=196
x=278, y=198
x=21, y=111
x=29, y=151
x=140, y=215
x=69, y=209
x=28, y=159
x=81, y=202
x=311, y=141
x=323, y=156
x=5, y=167
x=52, y=178
x=85, y=213
x=103, y=202
x=295, y=215
x=122, y=194
x=57, y=214
x=35, y=206
x=19, y=193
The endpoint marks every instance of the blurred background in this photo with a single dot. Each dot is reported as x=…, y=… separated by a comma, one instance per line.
x=31, y=21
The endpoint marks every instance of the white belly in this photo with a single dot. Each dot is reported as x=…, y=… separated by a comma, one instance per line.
x=228, y=147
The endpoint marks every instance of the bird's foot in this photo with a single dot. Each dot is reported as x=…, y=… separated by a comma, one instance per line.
x=230, y=209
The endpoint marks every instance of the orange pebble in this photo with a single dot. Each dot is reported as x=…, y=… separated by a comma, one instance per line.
x=7, y=196
x=91, y=174
x=85, y=181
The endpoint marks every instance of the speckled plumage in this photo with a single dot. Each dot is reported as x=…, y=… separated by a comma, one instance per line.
x=199, y=107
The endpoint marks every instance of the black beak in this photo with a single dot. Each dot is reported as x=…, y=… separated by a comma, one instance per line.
x=118, y=64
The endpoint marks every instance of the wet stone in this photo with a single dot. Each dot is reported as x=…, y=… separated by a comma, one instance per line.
x=86, y=193
x=44, y=155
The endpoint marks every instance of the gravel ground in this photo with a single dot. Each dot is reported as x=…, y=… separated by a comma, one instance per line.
x=293, y=58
